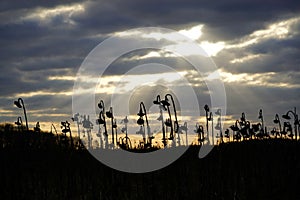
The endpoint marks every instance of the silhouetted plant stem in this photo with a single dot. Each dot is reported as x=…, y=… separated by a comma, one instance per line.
x=161, y=118
x=143, y=112
x=296, y=120
x=206, y=108
x=110, y=115
x=20, y=104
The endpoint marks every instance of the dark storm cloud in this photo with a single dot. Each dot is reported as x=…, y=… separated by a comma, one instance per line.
x=224, y=20
x=274, y=53
x=58, y=86
x=284, y=60
x=128, y=61
x=27, y=41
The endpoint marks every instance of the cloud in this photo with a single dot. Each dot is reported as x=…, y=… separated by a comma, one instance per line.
x=268, y=79
x=271, y=49
x=46, y=15
x=255, y=44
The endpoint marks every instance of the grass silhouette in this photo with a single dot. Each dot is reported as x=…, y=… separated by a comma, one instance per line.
x=37, y=166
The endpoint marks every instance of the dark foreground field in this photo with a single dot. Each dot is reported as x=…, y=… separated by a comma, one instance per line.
x=266, y=169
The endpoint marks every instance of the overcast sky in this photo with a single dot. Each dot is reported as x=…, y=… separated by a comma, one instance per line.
x=254, y=44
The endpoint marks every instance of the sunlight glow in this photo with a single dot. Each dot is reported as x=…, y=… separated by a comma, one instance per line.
x=52, y=115
x=62, y=78
x=42, y=93
x=181, y=44
x=194, y=33
x=151, y=55
x=45, y=14
x=5, y=111
x=127, y=33
x=212, y=49
x=244, y=59
x=267, y=79
x=123, y=84
x=278, y=30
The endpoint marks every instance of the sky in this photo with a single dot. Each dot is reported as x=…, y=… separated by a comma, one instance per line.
x=254, y=44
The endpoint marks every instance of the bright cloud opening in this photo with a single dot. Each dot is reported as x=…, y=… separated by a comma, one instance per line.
x=194, y=33
x=267, y=79
x=244, y=59
x=279, y=30
x=46, y=14
x=212, y=49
